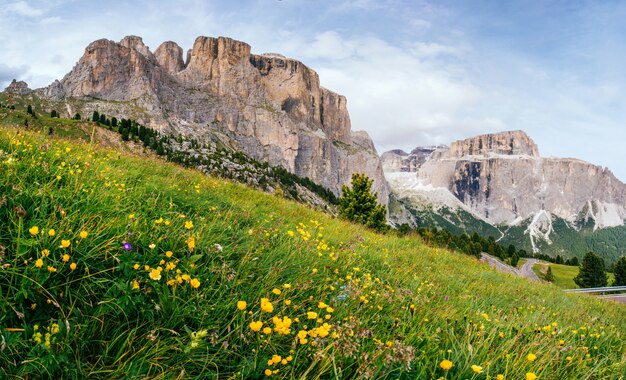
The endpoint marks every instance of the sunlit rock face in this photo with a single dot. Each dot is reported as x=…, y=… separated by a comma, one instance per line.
x=268, y=106
x=502, y=178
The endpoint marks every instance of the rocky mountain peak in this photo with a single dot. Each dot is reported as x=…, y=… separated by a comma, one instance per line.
x=170, y=57
x=502, y=143
x=17, y=88
x=270, y=107
x=136, y=43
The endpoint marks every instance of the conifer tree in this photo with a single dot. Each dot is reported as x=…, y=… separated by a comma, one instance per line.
x=549, y=276
x=591, y=273
x=620, y=272
x=360, y=205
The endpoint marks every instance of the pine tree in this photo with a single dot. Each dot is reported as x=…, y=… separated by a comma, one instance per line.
x=514, y=259
x=95, y=117
x=591, y=273
x=620, y=272
x=549, y=276
x=360, y=205
x=54, y=113
x=29, y=109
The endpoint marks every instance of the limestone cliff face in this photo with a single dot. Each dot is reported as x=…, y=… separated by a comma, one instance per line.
x=268, y=106
x=502, y=178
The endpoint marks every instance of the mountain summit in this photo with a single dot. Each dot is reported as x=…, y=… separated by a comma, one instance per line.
x=502, y=180
x=270, y=107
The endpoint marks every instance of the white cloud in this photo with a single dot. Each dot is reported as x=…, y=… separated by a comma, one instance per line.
x=22, y=8
x=397, y=94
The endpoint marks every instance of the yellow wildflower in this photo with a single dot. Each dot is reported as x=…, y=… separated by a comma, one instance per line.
x=256, y=326
x=311, y=315
x=34, y=230
x=65, y=258
x=195, y=283
x=531, y=357
x=155, y=274
x=530, y=376
x=276, y=291
x=45, y=253
x=135, y=284
x=500, y=377
x=73, y=266
x=169, y=254
x=65, y=243
x=266, y=305
x=51, y=269
x=268, y=372
x=83, y=234
x=241, y=305
x=51, y=232
x=189, y=224
x=191, y=243
x=477, y=368
x=39, y=263
x=267, y=330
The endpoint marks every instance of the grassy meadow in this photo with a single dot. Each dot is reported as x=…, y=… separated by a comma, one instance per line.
x=563, y=274
x=119, y=266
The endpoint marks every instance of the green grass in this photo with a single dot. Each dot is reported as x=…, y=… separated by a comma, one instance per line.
x=398, y=307
x=563, y=274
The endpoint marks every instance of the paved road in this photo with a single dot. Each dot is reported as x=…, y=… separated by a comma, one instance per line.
x=525, y=271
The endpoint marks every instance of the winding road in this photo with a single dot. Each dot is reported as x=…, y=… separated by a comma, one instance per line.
x=525, y=271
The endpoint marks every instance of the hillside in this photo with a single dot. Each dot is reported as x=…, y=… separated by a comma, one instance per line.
x=118, y=265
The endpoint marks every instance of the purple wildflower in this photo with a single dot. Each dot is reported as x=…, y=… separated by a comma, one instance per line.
x=127, y=246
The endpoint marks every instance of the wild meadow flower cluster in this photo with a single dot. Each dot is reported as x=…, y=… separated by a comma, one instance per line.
x=118, y=266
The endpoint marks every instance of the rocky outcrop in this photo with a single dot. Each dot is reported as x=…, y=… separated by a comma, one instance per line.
x=398, y=160
x=17, y=88
x=170, y=57
x=503, y=180
x=505, y=143
x=268, y=106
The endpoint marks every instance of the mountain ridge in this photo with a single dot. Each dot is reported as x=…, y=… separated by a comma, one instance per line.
x=267, y=106
x=501, y=179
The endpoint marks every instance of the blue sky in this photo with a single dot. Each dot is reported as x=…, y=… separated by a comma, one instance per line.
x=414, y=72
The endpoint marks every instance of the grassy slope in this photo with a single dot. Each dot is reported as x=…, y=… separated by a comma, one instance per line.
x=563, y=274
x=400, y=308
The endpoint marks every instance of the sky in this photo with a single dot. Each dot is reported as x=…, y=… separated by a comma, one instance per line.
x=415, y=73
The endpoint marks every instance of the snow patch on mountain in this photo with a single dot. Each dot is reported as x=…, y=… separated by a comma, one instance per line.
x=540, y=228
x=421, y=192
x=604, y=214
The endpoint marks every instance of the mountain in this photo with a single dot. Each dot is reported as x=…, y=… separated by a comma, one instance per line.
x=269, y=107
x=501, y=180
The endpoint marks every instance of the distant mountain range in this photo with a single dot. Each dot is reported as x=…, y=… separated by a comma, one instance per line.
x=498, y=184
